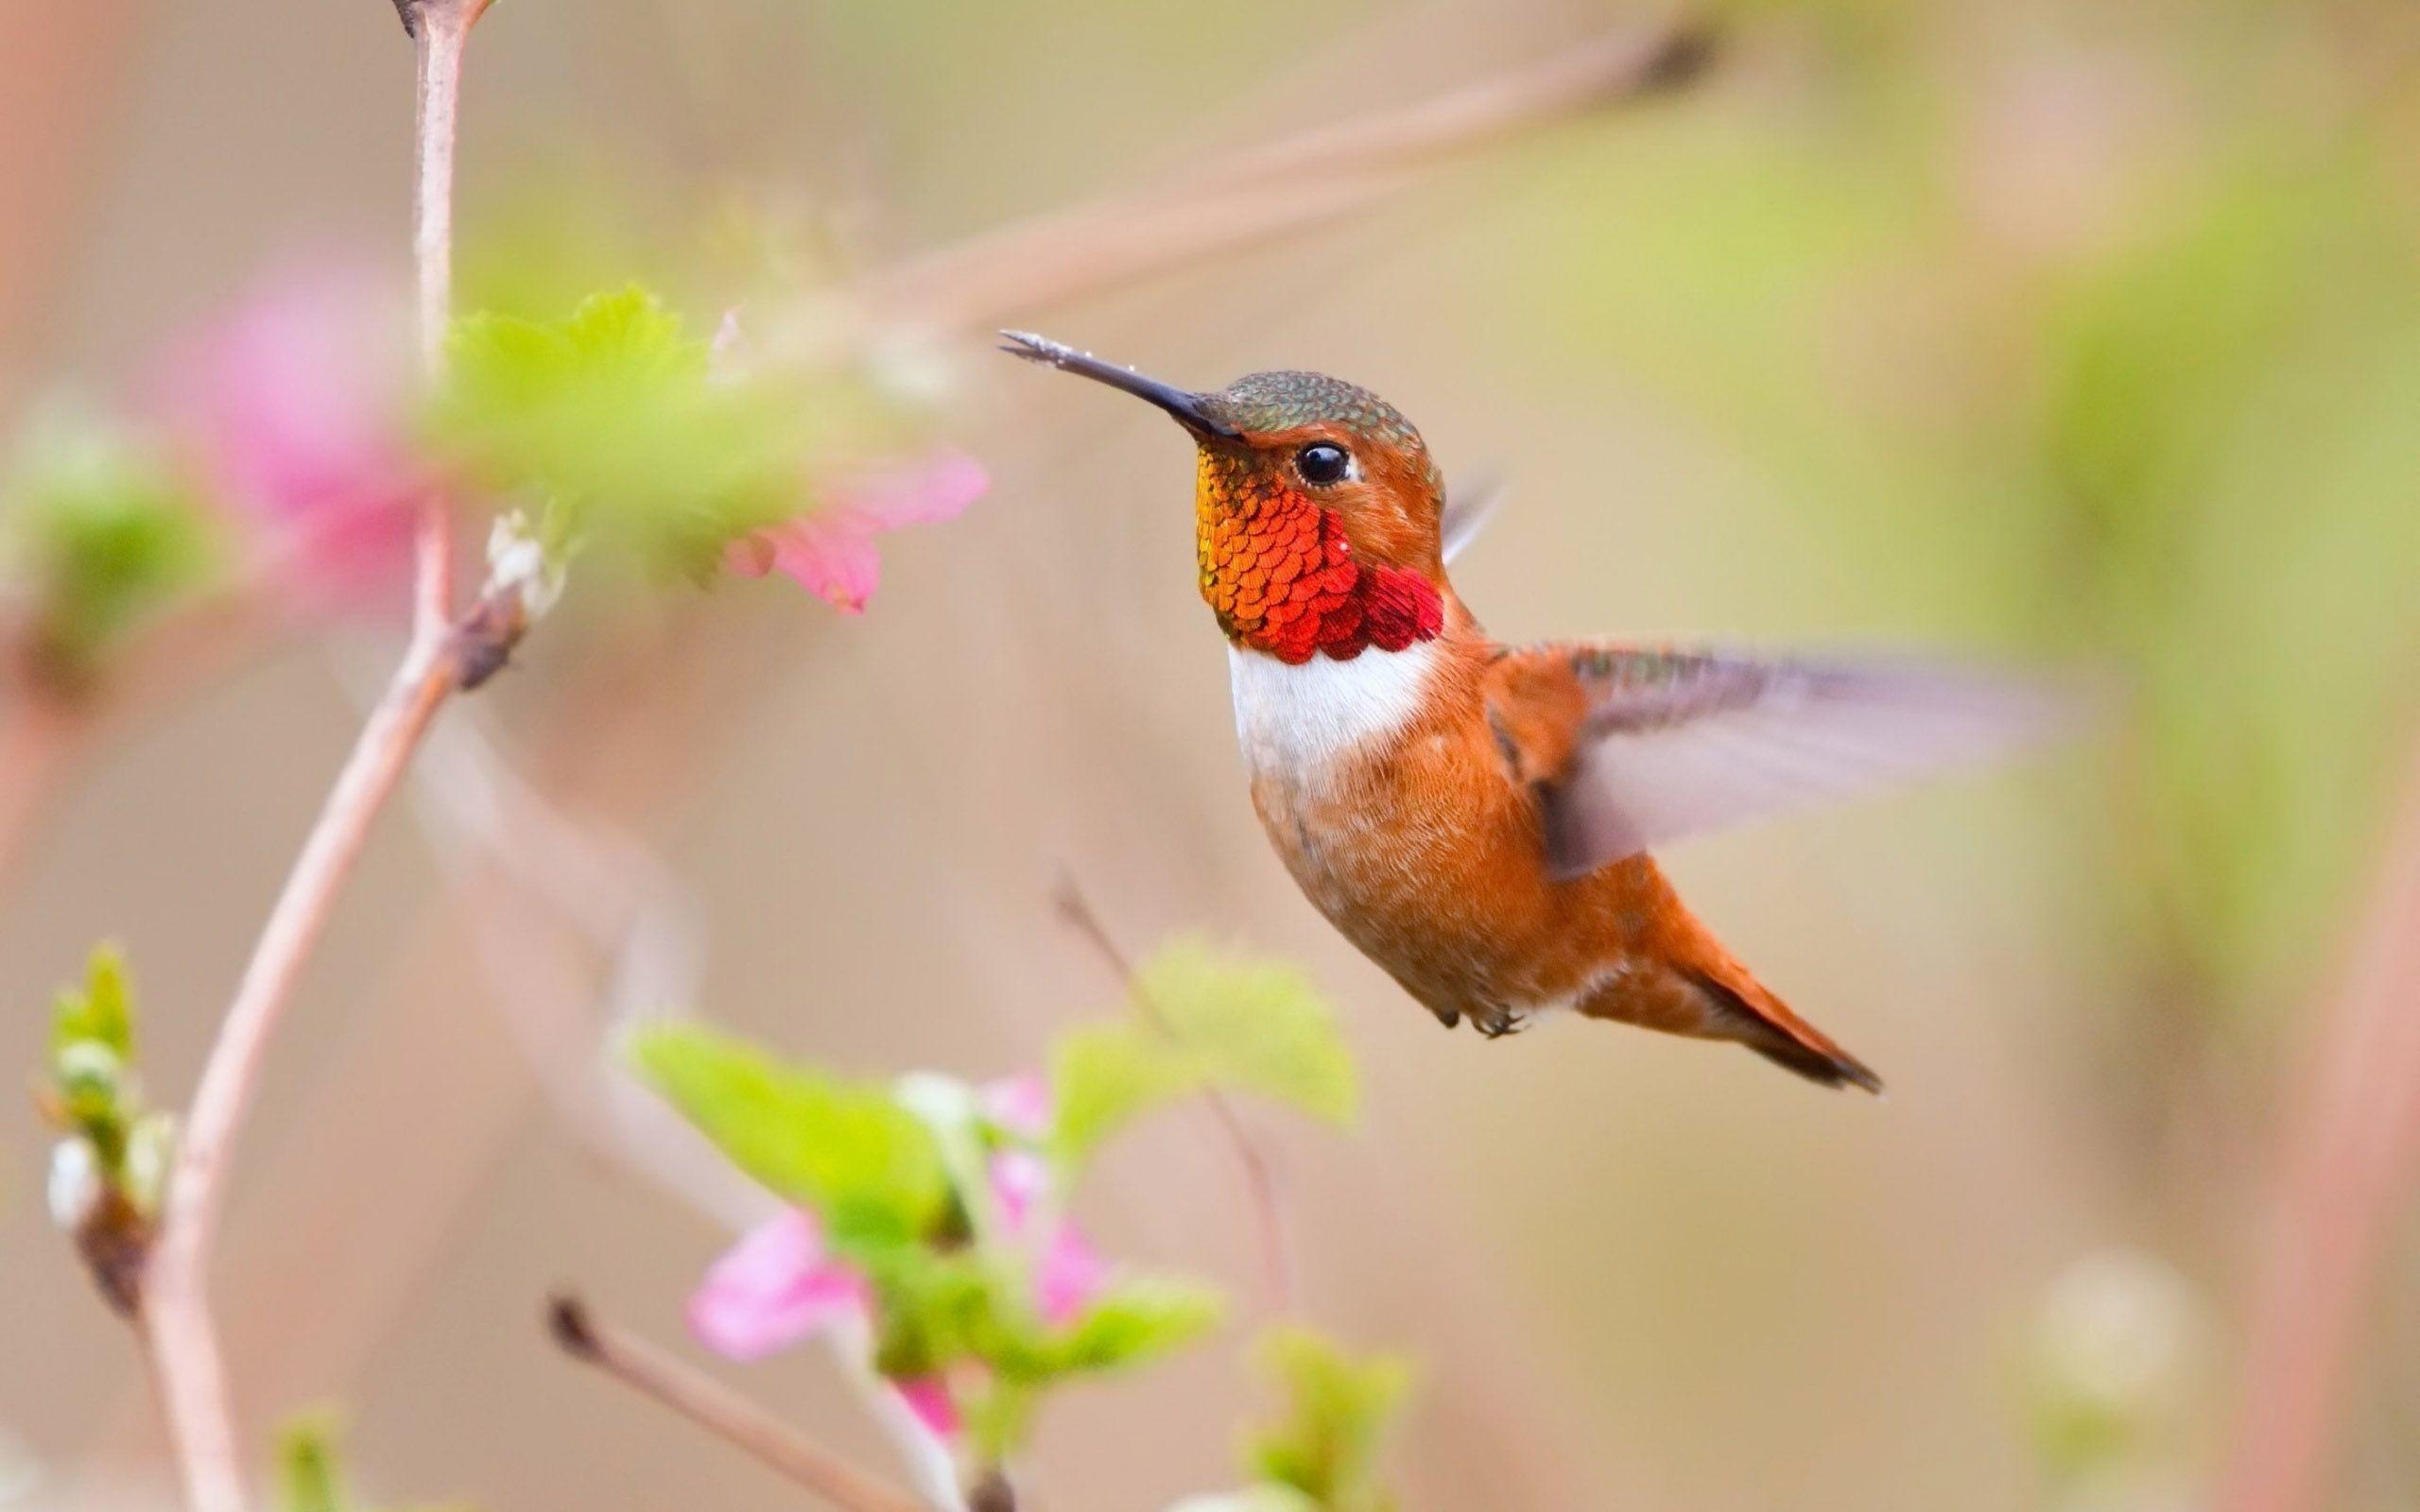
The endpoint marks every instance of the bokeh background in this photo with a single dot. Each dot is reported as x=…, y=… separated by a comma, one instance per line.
x=2078, y=334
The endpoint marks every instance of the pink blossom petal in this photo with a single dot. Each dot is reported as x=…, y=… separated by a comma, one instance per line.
x=1021, y=1104
x=830, y=553
x=916, y=492
x=296, y=408
x=1070, y=1277
x=928, y=1398
x=1020, y=1181
x=773, y=1289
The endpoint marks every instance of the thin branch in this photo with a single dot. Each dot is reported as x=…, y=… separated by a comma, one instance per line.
x=1259, y=1172
x=439, y=31
x=176, y=1313
x=179, y=1327
x=1299, y=181
x=718, y=1410
x=2350, y=1153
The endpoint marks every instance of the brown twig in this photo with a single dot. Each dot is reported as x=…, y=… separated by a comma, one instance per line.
x=1299, y=181
x=1260, y=1171
x=440, y=30
x=177, y=1317
x=718, y=1410
x=2350, y=1152
x=178, y=1324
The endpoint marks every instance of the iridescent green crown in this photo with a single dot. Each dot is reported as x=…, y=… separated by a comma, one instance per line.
x=1282, y=401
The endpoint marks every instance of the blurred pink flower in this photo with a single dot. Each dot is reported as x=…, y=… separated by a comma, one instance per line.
x=779, y=1287
x=296, y=405
x=928, y=1398
x=773, y=1289
x=1021, y=1104
x=1069, y=1276
x=831, y=551
x=1020, y=1181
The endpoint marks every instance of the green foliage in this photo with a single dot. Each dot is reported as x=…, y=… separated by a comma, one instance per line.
x=101, y=1012
x=906, y=1179
x=1325, y=1448
x=309, y=1477
x=943, y=1309
x=1200, y=1022
x=616, y=421
x=867, y=1166
x=105, y=536
x=1133, y=1323
x=92, y=1091
x=611, y=419
x=2225, y=414
x=310, y=1468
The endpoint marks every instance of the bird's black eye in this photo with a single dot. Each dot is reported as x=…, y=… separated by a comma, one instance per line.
x=1323, y=463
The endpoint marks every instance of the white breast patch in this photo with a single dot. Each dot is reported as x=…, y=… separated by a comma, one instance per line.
x=1299, y=720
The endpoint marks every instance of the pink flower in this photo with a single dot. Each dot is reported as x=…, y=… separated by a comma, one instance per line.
x=779, y=1285
x=1020, y=1182
x=1021, y=1104
x=296, y=407
x=930, y=1399
x=775, y=1288
x=831, y=551
x=1070, y=1276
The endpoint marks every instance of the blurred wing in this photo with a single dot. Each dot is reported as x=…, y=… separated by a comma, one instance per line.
x=1468, y=510
x=1629, y=747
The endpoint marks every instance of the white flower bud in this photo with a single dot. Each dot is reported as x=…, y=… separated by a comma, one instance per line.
x=74, y=1182
x=517, y=559
x=150, y=1148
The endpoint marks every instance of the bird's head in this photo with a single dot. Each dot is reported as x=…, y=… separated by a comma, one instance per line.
x=1316, y=508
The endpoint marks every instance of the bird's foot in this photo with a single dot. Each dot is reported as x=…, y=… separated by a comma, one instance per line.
x=1497, y=1022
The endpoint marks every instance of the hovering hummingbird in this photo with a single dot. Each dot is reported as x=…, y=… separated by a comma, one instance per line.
x=1476, y=817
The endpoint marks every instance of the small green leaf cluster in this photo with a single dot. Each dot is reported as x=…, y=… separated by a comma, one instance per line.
x=1199, y=1020
x=1325, y=1448
x=899, y=1176
x=109, y=1171
x=1322, y=1452
x=100, y=537
x=903, y=1175
x=623, y=432
x=310, y=1468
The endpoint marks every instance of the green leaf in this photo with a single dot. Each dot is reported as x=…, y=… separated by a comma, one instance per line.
x=1106, y=1075
x=91, y=1050
x=866, y=1165
x=1337, y=1415
x=102, y=1012
x=1202, y=1021
x=1259, y=1025
x=106, y=537
x=308, y=1476
x=1135, y=1322
x=613, y=421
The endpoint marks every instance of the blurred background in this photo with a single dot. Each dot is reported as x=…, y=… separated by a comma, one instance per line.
x=2069, y=333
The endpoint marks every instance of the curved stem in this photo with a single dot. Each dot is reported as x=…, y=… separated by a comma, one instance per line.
x=177, y=1318
x=441, y=29
x=180, y=1333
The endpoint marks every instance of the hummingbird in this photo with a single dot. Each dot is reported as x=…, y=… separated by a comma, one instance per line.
x=1476, y=817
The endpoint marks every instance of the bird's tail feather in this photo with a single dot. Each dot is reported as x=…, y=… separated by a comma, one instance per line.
x=1754, y=1017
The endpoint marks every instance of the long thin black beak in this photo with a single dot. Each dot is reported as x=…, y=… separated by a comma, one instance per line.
x=1190, y=408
